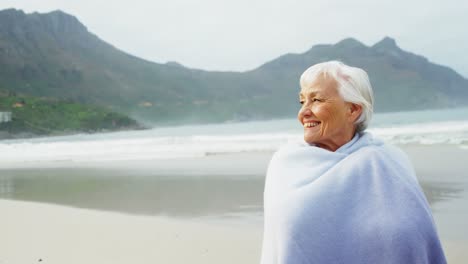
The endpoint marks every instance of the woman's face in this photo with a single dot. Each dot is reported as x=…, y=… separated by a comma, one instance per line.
x=327, y=119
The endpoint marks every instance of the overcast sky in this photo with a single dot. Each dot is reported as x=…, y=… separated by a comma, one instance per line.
x=243, y=34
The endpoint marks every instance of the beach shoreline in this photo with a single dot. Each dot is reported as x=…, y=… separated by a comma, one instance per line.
x=220, y=163
x=33, y=230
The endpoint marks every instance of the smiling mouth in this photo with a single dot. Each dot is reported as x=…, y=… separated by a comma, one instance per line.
x=311, y=124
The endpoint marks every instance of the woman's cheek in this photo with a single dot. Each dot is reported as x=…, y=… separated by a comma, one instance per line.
x=316, y=110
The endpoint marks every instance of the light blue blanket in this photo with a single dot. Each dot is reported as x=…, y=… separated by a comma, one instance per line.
x=360, y=204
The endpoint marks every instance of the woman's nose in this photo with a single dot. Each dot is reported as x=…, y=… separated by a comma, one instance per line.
x=305, y=112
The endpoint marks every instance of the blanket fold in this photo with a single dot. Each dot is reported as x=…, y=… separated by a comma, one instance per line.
x=359, y=204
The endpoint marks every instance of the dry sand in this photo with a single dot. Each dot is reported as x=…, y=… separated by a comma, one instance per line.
x=43, y=233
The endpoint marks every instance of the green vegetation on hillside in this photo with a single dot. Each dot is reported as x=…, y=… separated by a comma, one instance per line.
x=49, y=116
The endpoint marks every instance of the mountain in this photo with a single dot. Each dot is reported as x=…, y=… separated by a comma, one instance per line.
x=401, y=80
x=54, y=55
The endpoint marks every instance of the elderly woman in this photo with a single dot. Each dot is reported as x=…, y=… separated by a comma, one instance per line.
x=342, y=195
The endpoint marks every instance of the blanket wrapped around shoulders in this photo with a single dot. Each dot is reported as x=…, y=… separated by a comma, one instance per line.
x=359, y=204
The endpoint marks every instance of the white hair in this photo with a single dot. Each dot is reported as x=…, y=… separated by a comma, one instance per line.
x=353, y=86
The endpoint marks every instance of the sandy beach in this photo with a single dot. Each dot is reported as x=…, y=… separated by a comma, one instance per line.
x=42, y=225
x=43, y=233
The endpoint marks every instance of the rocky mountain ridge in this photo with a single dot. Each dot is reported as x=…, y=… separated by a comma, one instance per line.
x=54, y=55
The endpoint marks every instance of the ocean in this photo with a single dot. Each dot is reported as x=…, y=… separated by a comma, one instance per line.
x=449, y=126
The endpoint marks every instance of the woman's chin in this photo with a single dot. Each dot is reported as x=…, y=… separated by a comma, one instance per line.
x=310, y=140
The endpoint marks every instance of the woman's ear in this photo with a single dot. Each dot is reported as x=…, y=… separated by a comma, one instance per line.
x=355, y=111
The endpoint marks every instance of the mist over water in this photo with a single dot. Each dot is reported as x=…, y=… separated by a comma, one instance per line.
x=421, y=127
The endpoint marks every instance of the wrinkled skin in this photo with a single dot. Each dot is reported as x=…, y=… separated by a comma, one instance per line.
x=332, y=118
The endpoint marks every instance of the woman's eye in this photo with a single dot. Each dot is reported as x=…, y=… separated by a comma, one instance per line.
x=301, y=102
x=316, y=100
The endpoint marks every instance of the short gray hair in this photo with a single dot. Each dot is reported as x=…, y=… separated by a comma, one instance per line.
x=353, y=86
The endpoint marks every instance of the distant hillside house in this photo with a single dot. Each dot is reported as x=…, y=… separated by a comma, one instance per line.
x=5, y=117
x=146, y=104
x=18, y=104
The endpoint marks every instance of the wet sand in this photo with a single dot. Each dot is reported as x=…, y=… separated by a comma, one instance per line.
x=191, y=210
x=446, y=169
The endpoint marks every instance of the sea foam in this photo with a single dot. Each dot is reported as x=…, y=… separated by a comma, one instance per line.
x=200, y=141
